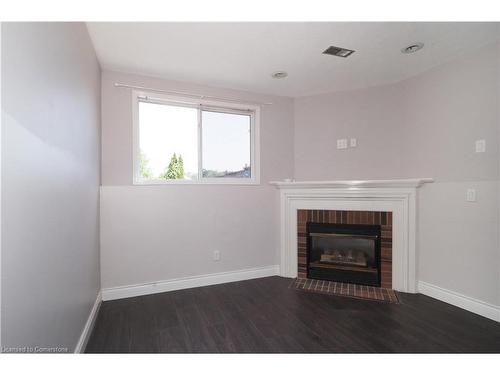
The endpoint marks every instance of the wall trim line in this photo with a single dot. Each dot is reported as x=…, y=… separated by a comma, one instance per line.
x=456, y=299
x=127, y=291
x=89, y=325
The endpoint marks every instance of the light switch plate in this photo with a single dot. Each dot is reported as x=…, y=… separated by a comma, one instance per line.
x=471, y=195
x=353, y=142
x=341, y=143
x=481, y=145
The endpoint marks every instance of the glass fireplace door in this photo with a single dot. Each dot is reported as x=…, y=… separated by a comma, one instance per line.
x=337, y=255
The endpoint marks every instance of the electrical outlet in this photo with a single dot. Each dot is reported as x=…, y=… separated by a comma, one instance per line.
x=353, y=142
x=481, y=145
x=342, y=143
x=471, y=195
x=216, y=255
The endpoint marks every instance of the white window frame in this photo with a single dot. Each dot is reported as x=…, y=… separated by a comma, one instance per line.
x=201, y=104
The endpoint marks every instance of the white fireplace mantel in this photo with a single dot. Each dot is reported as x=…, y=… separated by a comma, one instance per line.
x=396, y=196
x=401, y=183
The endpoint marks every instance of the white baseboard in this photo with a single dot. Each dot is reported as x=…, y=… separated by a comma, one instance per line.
x=87, y=330
x=188, y=282
x=467, y=303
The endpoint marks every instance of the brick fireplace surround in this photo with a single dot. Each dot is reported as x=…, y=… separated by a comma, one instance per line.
x=392, y=203
x=384, y=219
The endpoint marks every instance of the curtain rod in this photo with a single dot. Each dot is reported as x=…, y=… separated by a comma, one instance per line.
x=182, y=93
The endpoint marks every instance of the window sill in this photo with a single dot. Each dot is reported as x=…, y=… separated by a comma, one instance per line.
x=188, y=182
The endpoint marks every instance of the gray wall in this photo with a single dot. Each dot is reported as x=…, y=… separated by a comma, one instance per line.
x=422, y=127
x=153, y=233
x=50, y=183
x=447, y=109
x=373, y=116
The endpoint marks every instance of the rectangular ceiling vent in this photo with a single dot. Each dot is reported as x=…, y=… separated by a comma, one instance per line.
x=338, y=51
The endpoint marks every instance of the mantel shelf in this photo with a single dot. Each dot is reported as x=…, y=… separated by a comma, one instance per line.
x=352, y=184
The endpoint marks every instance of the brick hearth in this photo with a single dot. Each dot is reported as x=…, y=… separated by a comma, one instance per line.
x=384, y=219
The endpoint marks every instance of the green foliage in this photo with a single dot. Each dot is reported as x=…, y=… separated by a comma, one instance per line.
x=145, y=170
x=180, y=166
x=175, y=169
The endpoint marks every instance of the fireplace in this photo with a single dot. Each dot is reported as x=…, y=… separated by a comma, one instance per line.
x=344, y=252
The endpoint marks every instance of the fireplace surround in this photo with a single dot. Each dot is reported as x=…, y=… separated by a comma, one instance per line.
x=374, y=226
x=396, y=197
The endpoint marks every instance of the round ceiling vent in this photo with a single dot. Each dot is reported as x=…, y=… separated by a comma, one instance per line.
x=279, y=74
x=412, y=48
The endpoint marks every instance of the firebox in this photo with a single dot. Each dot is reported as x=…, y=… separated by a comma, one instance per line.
x=344, y=252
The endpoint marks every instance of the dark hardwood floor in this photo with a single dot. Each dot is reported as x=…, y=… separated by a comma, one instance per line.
x=265, y=316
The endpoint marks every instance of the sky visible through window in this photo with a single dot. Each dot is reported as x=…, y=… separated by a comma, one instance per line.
x=167, y=129
x=226, y=141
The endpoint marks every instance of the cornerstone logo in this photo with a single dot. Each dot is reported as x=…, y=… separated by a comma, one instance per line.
x=34, y=349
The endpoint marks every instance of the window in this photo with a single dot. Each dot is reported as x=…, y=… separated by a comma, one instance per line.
x=182, y=141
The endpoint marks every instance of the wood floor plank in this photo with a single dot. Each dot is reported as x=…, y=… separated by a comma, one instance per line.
x=265, y=316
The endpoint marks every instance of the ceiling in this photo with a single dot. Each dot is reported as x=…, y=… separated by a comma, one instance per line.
x=243, y=55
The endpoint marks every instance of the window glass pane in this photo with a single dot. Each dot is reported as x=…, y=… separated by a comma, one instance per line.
x=168, y=137
x=226, y=145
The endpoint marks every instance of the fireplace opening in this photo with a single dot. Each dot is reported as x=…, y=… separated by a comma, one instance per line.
x=344, y=252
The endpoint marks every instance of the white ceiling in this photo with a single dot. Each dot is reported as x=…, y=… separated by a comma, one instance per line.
x=243, y=55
